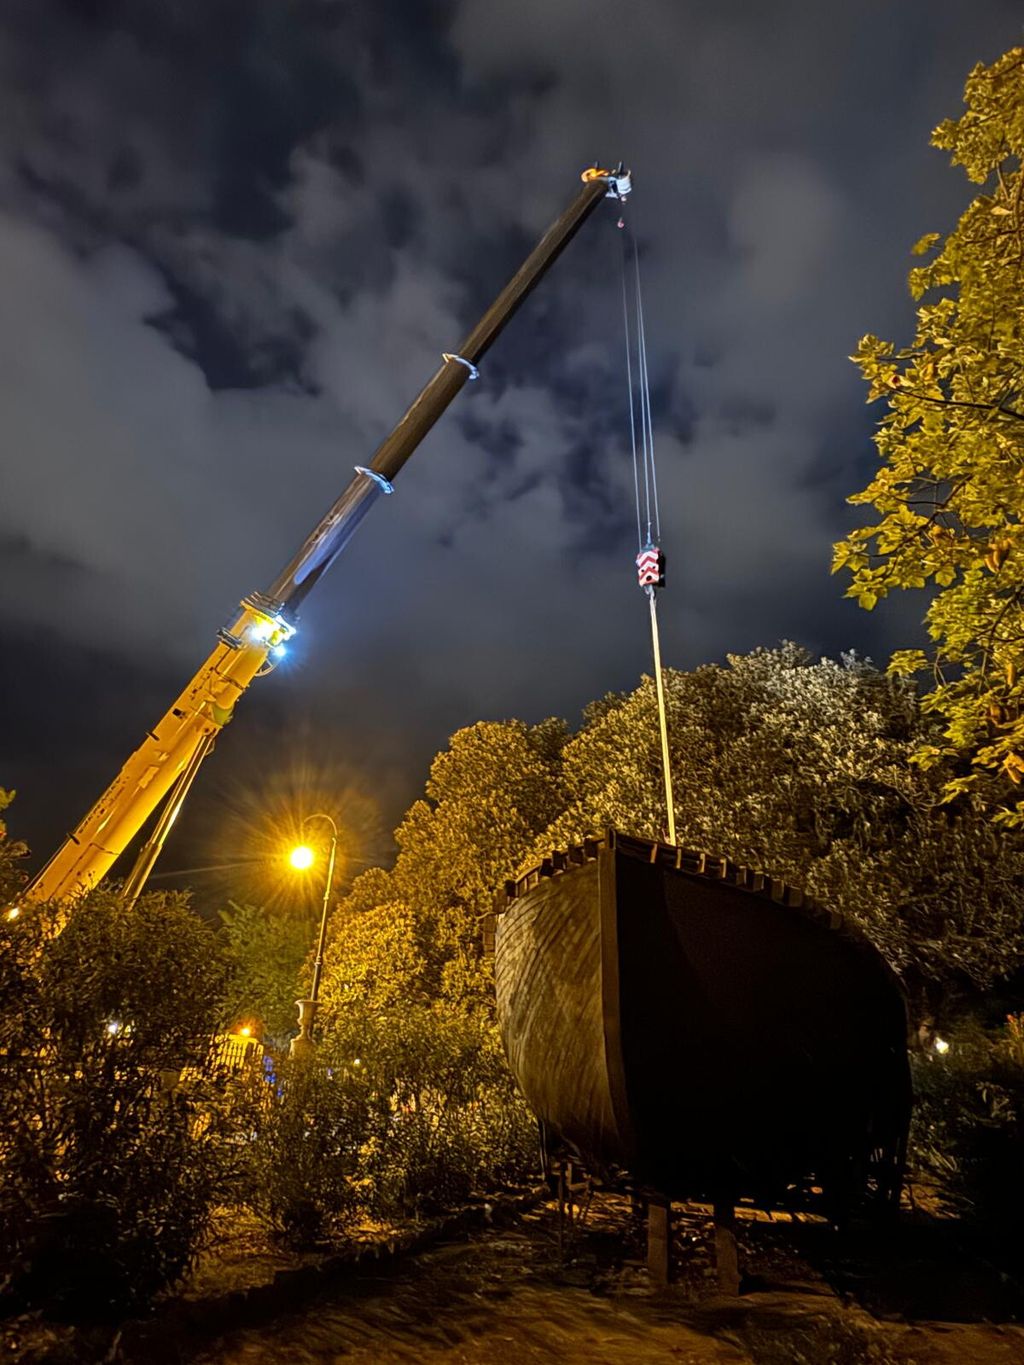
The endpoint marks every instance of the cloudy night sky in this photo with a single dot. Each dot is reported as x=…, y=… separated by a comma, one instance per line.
x=235, y=236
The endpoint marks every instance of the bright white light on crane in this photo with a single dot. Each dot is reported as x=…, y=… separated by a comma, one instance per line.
x=279, y=651
x=261, y=631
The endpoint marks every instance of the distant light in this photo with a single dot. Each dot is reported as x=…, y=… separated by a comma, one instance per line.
x=114, y=1026
x=941, y=1046
x=358, y=1061
x=279, y=651
x=246, y=1031
x=14, y=912
x=302, y=857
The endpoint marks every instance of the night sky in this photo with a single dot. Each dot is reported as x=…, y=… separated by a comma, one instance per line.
x=235, y=236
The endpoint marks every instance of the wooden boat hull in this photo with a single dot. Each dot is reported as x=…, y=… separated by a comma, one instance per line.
x=699, y=1027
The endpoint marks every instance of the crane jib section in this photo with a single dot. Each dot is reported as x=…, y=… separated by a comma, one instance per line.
x=203, y=707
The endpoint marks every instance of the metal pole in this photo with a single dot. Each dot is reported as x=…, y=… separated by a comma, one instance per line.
x=662, y=722
x=302, y=1044
x=318, y=964
x=151, y=849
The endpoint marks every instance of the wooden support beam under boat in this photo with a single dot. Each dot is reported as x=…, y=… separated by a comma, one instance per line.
x=727, y=1261
x=659, y=1240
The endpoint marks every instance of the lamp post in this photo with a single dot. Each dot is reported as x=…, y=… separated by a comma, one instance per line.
x=302, y=858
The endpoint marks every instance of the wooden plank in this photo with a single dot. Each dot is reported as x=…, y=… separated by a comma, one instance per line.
x=727, y=1261
x=611, y=1003
x=550, y=1008
x=659, y=1240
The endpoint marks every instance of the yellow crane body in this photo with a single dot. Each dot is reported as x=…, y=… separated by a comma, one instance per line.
x=205, y=705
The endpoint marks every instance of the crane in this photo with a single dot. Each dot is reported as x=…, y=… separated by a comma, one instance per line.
x=158, y=775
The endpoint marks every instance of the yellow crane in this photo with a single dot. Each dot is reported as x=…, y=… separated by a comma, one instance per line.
x=161, y=770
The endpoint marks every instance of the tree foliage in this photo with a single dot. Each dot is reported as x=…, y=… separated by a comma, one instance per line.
x=414, y=932
x=795, y=767
x=968, y=1127
x=266, y=948
x=107, y=1173
x=406, y=1001
x=802, y=769
x=949, y=495
x=11, y=853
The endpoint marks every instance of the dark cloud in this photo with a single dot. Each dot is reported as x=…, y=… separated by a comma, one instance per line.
x=234, y=238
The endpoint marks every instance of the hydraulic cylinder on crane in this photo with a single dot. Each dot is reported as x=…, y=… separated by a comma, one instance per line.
x=163, y=766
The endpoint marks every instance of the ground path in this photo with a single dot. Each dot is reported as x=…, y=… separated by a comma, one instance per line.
x=505, y=1298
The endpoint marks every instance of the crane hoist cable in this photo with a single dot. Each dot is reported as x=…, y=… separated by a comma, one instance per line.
x=650, y=560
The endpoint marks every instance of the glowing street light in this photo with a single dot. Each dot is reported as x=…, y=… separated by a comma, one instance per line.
x=302, y=858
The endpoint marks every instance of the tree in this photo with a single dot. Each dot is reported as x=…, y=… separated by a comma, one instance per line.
x=801, y=769
x=266, y=948
x=489, y=794
x=795, y=767
x=949, y=495
x=108, y=1174
x=406, y=995
x=11, y=854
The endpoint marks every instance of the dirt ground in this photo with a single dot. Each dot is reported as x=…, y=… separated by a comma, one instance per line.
x=917, y=1294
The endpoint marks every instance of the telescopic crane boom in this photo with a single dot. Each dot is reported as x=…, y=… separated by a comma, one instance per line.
x=163, y=766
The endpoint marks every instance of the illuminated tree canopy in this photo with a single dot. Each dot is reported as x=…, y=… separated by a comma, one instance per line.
x=949, y=494
x=797, y=767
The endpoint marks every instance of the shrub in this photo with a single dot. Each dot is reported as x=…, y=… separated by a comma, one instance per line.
x=398, y=1115
x=303, y=1124
x=968, y=1126
x=108, y=1170
x=445, y=1118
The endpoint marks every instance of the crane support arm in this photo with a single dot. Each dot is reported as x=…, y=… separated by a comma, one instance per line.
x=205, y=705
x=268, y=619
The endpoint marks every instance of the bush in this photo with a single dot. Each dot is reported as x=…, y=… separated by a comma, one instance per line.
x=445, y=1118
x=304, y=1124
x=108, y=1171
x=398, y=1115
x=968, y=1126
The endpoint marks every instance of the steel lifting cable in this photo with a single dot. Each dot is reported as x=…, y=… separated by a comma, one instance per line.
x=645, y=400
x=650, y=562
x=629, y=390
x=647, y=510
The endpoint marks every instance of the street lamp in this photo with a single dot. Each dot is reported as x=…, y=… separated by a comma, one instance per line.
x=302, y=858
